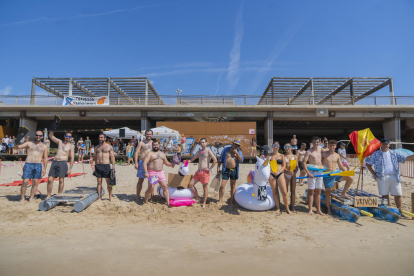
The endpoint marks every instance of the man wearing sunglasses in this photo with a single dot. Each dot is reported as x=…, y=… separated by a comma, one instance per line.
x=32, y=169
x=314, y=157
x=59, y=167
x=230, y=158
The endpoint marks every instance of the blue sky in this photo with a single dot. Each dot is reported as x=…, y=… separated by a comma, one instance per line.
x=206, y=47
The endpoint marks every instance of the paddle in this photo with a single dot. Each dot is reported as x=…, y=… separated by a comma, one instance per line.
x=292, y=164
x=344, y=173
x=273, y=165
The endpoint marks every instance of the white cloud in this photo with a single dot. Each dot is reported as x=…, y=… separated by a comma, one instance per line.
x=233, y=74
x=73, y=17
x=6, y=91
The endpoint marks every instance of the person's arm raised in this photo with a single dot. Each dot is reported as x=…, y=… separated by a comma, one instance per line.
x=53, y=138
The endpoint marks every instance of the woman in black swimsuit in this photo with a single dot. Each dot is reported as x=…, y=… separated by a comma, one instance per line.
x=281, y=165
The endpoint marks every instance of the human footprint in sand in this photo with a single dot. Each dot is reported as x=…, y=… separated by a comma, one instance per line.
x=314, y=157
x=100, y=164
x=153, y=164
x=32, y=169
x=332, y=161
x=204, y=156
x=230, y=158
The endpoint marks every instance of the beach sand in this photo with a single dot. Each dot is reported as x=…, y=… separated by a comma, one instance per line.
x=126, y=238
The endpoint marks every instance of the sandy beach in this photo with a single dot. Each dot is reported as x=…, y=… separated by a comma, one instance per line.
x=126, y=238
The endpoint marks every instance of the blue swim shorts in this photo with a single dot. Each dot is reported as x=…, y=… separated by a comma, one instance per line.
x=32, y=171
x=329, y=181
x=141, y=173
x=129, y=154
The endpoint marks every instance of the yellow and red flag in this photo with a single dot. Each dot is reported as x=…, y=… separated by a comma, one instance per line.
x=364, y=143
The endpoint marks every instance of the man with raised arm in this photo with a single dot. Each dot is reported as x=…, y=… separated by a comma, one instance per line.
x=143, y=148
x=100, y=164
x=32, y=169
x=153, y=165
x=204, y=156
x=314, y=157
x=230, y=158
x=332, y=161
x=59, y=167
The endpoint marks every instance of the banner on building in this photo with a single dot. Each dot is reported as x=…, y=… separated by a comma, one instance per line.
x=82, y=101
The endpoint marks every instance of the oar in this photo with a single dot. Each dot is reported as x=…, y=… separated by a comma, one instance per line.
x=344, y=173
x=293, y=164
x=273, y=165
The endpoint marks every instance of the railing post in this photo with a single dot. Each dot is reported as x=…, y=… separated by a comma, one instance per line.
x=34, y=100
x=223, y=100
x=266, y=101
x=118, y=100
x=245, y=100
x=201, y=100
x=139, y=100
x=375, y=100
x=352, y=100
x=16, y=101
x=395, y=100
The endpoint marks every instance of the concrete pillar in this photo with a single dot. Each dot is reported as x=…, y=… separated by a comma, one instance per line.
x=392, y=130
x=33, y=93
x=268, y=129
x=31, y=125
x=145, y=123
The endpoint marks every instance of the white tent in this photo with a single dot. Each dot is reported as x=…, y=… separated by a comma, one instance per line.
x=114, y=133
x=163, y=132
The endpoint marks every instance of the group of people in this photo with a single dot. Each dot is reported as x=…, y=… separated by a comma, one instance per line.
x=149, y=162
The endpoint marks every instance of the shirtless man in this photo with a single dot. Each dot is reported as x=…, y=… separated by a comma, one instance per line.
x=153, y=165
x=204, y=156
x=325, y=146
x=59, y=167
x=332, y=162
x=100, y=164
x=301, y=156
x=143, y=148
x=33, y=167
x=294, y=144
x=230, y=158
x=314, y=157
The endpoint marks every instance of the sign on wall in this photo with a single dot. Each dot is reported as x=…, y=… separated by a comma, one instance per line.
x=82, y=101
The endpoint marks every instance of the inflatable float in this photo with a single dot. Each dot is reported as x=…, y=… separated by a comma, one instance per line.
x=176, y=193
x=316, y=168
x=257, y=195
x=182, y=202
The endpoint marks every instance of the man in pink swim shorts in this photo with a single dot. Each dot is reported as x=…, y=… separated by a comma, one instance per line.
x=153, y=165
x=204, y=156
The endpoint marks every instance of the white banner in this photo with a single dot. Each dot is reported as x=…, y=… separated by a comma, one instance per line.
x=79, y=101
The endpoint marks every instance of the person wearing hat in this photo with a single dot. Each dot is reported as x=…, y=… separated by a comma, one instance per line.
x=387, y=171
x=230, y=158
x=342, y=153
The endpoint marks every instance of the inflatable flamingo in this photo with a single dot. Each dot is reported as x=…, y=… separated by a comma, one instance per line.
x=257, y=196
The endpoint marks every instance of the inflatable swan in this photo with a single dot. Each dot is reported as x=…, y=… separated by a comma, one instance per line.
x=256, y=196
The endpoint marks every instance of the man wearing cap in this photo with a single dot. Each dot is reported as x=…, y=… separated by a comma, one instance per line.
x=230, y=158
x=387, y=171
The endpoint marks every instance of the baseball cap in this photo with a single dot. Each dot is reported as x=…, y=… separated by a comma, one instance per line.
x=385, y=140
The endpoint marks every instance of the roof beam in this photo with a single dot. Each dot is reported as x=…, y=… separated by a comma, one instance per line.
x=336, y=91
x=300, y=92
x=373, y=90
x=155, y=92
x=119, y=90
x=266, y=90
x=83, y=89
x=48, y=89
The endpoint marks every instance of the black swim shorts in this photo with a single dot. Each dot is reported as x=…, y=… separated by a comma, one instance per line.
x=102, y=171
x=229, y=173
x=58, y=169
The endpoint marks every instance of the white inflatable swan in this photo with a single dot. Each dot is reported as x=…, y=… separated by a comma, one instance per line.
x=257, y=196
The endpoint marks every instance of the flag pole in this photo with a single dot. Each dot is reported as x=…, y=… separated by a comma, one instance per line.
x=359, y=177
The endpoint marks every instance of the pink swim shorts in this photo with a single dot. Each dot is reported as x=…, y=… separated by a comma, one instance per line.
x=202, y=176
x=156, y=174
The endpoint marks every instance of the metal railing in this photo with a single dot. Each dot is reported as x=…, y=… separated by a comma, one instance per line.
x=233, y=100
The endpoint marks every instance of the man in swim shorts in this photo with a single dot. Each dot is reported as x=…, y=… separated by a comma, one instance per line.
x=153, y=165
x=59, y=167
x=204, y=156
x=314, y=157
x=301, y=156
x=102, y=169
x=332, y=161
x=143, y=148
x=230, y=158
x=32, y=169
x=294, y=144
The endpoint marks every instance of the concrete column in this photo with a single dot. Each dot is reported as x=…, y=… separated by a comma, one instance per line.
x=268, y=129
x=392, y=130
x=32, y=99
x=145, y=123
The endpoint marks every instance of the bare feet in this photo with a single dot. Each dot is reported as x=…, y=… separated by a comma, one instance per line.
x=404, y=215
x=99, y=199
x=219, y=204
x=203, y=206
x=330, y=213
x=48, y=197
x=320, y=213
x=21, y=201
x=110, y=199
x=277, y=210
x=30, y=199
x=345, y=196
x=310, y=212
x=293, y=209
x=288, y=211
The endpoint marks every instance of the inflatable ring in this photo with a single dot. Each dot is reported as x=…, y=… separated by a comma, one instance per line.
x=176, y=193
x=244, y=197
x=315, y=168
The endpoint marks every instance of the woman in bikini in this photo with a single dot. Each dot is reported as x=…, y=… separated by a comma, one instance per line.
x=290, y=176
x=278, y=176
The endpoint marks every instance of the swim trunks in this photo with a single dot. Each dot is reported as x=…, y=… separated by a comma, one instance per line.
x=315, y=183
x=229, y=173
x=159, y=174
x=32, y=171
x=295, y=147
x=129, y=154
x=58, y=169
x=102, y=171
x=141, y=172
x=202, y=176
x=329, y=181
x=300, y=163
x=345, y=163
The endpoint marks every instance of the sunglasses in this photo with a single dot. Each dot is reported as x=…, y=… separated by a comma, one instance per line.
x=287, y=147
x=316, y=142
x=67, y=136
x=38, y=135
x=275, y=146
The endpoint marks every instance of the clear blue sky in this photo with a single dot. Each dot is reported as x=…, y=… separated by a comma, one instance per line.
x=206, y=47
